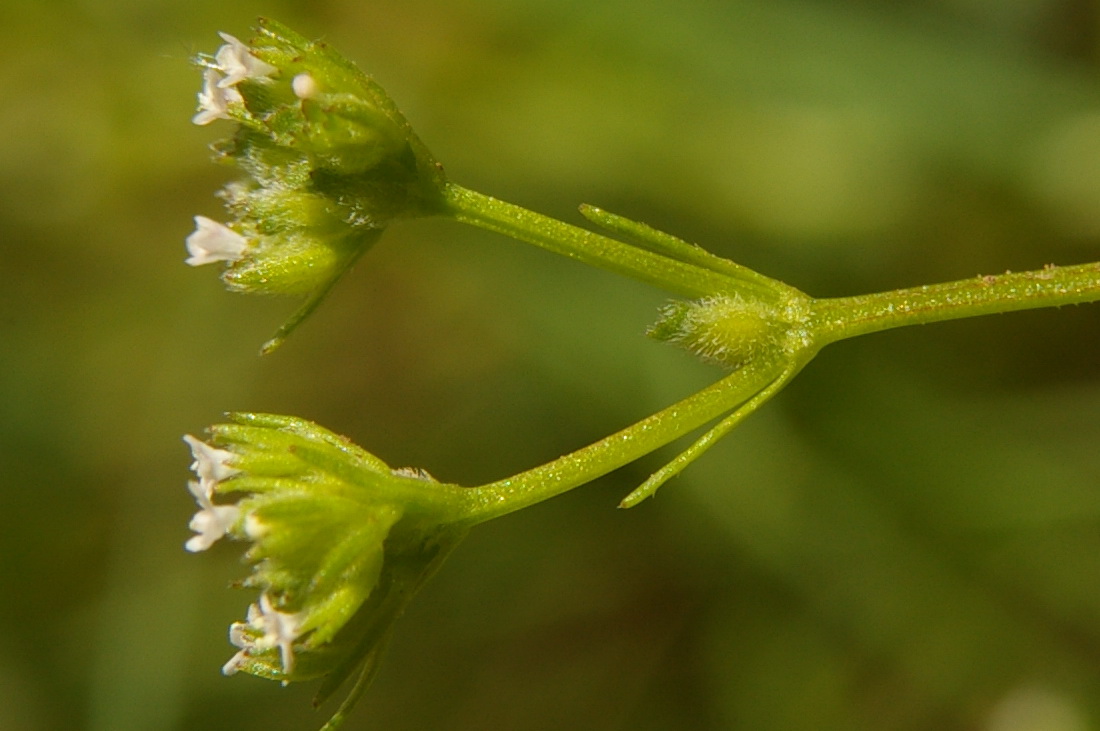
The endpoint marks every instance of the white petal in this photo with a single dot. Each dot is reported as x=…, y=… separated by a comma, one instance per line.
x=195, y=544
x=210, y=463
x=238, y=635
x=235, y=663
x=280, y=630
x=211, y=523
x=214, y=99
x=212, y=241
x=235, y=59
x=202, y=490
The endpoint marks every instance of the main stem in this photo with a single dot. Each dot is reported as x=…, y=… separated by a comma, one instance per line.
x=845, y=317
x=677, y=277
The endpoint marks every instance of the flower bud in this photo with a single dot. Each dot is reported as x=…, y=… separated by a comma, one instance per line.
x=728, y=330
x=339, y=541
x=329, y=159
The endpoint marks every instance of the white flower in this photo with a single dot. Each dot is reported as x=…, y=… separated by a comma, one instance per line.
x=212, y=521
x=211, y=464
x=214, y=99
x=277, y=629
x=236, y=61
x=212, y=241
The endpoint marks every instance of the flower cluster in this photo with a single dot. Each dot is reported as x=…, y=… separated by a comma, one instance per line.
x=329, y=160
x=339, y=540
x=727, y=330
x=212, y=521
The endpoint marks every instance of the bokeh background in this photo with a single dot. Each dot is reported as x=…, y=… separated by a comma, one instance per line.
x=907, y=538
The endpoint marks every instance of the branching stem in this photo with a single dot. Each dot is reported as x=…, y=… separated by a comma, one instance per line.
x=672, y=275
x=622, y=447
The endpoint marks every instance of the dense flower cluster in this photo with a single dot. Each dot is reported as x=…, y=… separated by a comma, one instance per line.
x=329, y=163
x=338, y=539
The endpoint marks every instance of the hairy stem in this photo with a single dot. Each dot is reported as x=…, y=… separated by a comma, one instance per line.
x=678, y=277
x=845, y=317
x=625, y=446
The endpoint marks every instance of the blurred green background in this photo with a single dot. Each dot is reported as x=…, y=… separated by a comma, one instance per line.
x=907, y=538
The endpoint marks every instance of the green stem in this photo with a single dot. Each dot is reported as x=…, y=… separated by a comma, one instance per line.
x=595, y=460
x=703, y=443
x=845, y=317
x=671, y=264
x=678, y=277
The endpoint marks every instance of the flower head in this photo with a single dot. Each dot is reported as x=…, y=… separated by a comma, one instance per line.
x=329, y=163
x=339, y=541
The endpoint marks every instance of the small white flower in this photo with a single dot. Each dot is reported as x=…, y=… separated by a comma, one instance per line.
x=278, y=629
x=212, y=241
x=236, y=61
x=211, y=464
x=214, y=99
x=212, y=521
